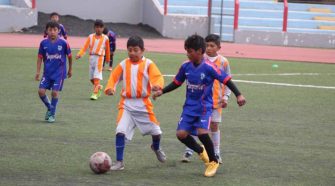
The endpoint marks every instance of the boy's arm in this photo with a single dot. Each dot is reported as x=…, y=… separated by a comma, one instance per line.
x=38, y=68
x=226, y=80
x=41, y=52
x=69, y=73
x=82, y=50
x=107, y=51
x=155, y=77
x=227, y=91
x=64, y=32
x=114, y=78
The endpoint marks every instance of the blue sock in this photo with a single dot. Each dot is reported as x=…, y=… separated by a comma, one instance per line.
x=119, y=144
x=54, y=102
x=156, y=141
x=46, y=101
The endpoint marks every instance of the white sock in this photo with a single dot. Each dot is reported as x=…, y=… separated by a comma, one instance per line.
x=216, y=141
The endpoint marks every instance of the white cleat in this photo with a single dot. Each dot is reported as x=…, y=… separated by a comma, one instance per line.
x=117, y=166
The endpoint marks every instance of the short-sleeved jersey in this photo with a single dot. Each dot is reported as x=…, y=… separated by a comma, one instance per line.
x=199, y=84
x=54, y=55
x=112, y=40
x=62, y=32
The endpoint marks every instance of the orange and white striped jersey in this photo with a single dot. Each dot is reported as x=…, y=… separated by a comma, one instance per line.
x=137, y=78
x=220, y=91
x=98, y=45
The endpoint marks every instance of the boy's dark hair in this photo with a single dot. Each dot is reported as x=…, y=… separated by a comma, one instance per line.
x=99, y=23
x=214, y=38
x=195, y=42
x=105, y=31
x=52, y=24
x=135, y=41
x=54, y=14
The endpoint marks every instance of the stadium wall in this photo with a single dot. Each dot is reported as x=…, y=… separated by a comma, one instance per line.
x=19, y=14
x=130, y=11
x=285, y=39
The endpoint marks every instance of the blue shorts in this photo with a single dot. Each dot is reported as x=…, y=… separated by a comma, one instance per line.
x=55, y=85
x=191, y=123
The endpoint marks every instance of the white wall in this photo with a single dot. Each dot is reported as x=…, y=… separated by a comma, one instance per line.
x=14, y=19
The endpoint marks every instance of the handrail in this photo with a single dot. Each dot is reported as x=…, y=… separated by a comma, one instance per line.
x=33, y=4
x=165, y=6
x=285, y=16
x=236, y=14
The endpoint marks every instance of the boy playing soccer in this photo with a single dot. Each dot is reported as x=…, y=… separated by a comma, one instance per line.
x=138, y=75
x=98, y=45
x=195, y=119
x=112, y=46
x=53, y=51
x=220, y=94
x=54, y=16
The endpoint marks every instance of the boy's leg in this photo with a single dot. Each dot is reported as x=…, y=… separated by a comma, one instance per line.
x=45, y=84
x=187, y=154
x=215, y=132
x=155, y=146
x=124, y=131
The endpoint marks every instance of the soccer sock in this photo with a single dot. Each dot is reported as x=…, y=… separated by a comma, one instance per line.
x=206, y=140
x=188, y=150
x=119, y=145
x=54, y=102
x=216, y=141
x=192, y=144
x=46, y=101
x=96, y=86
x=156, y=141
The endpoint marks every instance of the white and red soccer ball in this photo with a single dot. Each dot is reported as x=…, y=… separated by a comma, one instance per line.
x=100, y=162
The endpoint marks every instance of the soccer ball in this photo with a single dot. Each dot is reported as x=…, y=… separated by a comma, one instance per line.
x=100, y=162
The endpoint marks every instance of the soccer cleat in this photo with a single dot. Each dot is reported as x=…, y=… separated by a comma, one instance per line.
x=110, y=69
x=186, y=157
x=204, y=156
x=47, y=115
x=117, y=166
x=51, y=119
x=159, y=154
x=94, y=97
x=211, y=169
x=218, y=157
x=100, y=90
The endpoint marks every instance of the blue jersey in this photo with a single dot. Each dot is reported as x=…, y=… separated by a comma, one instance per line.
x=54, y=57
x=199, y=83
x=112, y=40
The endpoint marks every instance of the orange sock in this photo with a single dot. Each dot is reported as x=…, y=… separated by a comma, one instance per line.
x=96, y=83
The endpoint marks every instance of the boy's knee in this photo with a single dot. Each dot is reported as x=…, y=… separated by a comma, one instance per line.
x=181, y=135
x=41, y=92
x=214, y=126
x=54, y=94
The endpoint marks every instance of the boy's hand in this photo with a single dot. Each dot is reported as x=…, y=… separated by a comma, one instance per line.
x=37, y=77
x=241, y=100
x=157, y=93
x=78, y=56
x=69, y=74
x=223, y=103
x=109, y=92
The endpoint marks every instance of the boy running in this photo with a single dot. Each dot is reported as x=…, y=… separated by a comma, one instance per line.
x=52, y=52
x=139, y=75
x=196, y=116
x=98, y=45
x=221, y=94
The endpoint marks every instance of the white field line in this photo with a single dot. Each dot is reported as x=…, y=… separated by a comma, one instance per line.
x=277, y=84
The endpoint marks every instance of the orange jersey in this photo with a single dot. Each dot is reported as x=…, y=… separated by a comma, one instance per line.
x=137, y=78
x=219, y=90
x=98, y=45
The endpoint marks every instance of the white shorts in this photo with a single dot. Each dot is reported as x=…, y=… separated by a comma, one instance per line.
x=129, y=120
x=96, y=63
x=216, y=115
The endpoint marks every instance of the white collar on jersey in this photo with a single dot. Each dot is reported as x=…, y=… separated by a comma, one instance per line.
x=211, y=59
